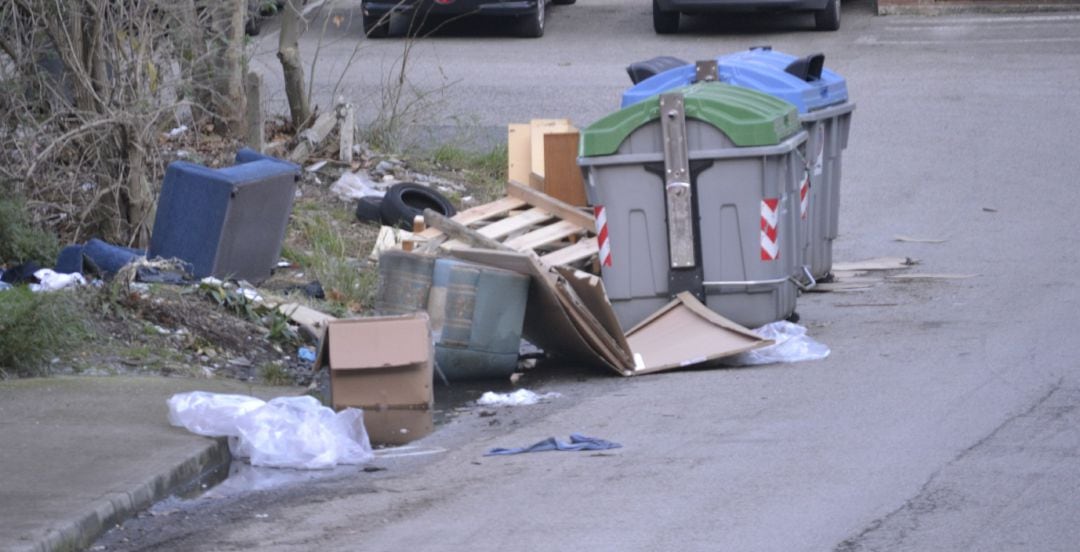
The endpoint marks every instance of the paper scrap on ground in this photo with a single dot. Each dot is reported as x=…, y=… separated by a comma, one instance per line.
x=792, y=345
x=353, y=186
x=521, y=397
x=880, y=263
x=577, y=442
x=931, y=276
x=286, y=432
x=909, y=239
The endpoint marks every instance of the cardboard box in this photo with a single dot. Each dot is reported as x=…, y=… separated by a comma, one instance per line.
x=383, y=365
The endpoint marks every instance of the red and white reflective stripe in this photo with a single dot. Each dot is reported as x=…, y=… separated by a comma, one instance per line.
x=769, y=219
x=602, y=235
x=804, y=193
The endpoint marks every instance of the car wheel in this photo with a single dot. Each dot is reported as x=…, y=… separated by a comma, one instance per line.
x=253, y=25
x=664, y=22
x=377, y=25
x=405, y=201
x=532, y=26
x=828, y=19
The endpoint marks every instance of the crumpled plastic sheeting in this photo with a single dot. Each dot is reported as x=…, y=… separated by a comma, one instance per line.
x=352, y=186
x=286, y=432
x=521, y=397
x=52, y=280
x=792, y=345
x=577, y=442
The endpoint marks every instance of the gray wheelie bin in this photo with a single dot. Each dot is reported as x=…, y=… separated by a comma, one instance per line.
x=821, y=97
x=698, y=191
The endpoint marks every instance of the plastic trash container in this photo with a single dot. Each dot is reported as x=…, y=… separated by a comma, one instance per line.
x=821, y=97
x=697, y=190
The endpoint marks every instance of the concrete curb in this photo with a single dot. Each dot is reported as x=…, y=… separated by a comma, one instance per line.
x=932, y=8
x=81, y=532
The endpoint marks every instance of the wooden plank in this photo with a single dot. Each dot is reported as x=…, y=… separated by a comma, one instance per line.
x=459, y=231
x=579, y=251
x=537, y=129
x=509, y=225
x=518, y=152
x=560, y=209
x=543, y=236
x=562, y=176
x=479, y=213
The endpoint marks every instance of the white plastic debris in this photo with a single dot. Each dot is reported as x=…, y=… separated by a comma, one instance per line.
x=286, y=432
x=52, y=280
x=521, y=397
x=792, y=345
x=177, y=131
x=352, y=186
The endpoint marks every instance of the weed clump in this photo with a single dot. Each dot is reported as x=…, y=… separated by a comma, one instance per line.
x=35, y=327
x=20, y=240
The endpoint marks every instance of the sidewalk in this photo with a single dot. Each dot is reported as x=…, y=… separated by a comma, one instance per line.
x=943, y=7
x=79, y=455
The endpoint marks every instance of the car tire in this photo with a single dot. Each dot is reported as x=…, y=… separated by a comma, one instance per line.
x=532, y=25
x=828, y=19
x=253, y=25
x=368, y=209
x=377, y=25
x=406, y=200
x=663, y=21
x=563, y=2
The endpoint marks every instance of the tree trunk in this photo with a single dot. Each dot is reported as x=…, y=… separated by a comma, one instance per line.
x=291, y=66
x=233, y=101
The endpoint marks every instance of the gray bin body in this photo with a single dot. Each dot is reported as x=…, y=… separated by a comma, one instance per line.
x=729, y=196
x=827, y=137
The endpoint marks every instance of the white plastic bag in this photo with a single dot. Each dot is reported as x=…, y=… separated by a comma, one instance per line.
x=352, y=186
x=792, y=345
x=287, y=432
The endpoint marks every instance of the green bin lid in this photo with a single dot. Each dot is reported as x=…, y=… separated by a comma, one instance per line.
x=747, y=117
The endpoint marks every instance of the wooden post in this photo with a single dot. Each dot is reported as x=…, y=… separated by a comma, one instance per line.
x=345, y=133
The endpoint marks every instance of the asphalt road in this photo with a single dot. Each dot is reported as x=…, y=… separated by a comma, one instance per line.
x=946, y=417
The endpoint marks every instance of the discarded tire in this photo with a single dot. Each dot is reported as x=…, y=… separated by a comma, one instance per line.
x=405, y=201
x=368, y=209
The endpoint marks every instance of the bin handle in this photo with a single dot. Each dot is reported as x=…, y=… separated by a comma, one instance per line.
x=809, y=278
x=801, y=285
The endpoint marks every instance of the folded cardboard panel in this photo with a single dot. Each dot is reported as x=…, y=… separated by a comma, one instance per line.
x=383, y=365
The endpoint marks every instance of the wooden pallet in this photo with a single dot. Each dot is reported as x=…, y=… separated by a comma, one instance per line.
x=525, y=220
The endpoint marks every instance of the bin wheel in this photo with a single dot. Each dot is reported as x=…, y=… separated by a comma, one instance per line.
x=405, y=201
x=828, y=19
x=367, y=209
x=664, y=22
x=377, y=25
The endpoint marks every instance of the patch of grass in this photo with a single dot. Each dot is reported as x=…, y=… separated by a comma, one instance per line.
x=35, y=327
x=275, y=374
x=20, y=240
x=485, y=172
x=330, y=257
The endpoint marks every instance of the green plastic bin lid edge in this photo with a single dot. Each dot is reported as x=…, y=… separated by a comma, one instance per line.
x=747, y=117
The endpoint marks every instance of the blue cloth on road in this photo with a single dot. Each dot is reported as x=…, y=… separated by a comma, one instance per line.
x=577, y=442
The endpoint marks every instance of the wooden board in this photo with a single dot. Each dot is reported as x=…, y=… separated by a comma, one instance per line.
x=560, y=209
x=562, y=176
x=543, y=236
x=537, y=129
x=518, y=152
x=478, y=213
x=578, y=252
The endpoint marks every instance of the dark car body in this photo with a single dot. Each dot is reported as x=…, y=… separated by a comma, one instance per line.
x=666, y=12
x=530, y=15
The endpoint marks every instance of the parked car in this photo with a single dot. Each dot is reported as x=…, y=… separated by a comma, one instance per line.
x=666, y=12
x=530, y=15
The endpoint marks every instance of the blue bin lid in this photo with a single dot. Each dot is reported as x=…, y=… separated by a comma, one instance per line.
x=760, y=69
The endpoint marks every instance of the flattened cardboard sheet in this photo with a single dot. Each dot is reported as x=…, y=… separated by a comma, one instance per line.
x=686, y=333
